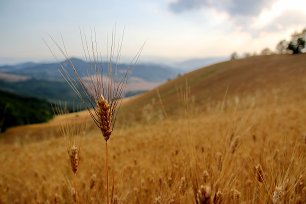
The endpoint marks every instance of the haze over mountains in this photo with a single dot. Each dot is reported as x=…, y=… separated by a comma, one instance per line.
x=43, y=80
x=197, y=63
x=49, y=71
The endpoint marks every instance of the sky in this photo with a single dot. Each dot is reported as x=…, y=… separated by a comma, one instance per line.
x=172, y=30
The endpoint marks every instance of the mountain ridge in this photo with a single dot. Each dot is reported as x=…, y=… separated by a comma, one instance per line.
x=49, y=71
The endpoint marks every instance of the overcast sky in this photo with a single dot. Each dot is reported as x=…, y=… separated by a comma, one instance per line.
x=172, y=29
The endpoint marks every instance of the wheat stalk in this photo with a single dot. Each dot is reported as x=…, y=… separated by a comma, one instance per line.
x=102, y=90
x=72, y=131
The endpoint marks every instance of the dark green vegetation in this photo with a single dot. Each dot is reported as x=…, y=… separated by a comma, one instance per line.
x=298, y=46
x=48, y=90
x=295, y=46
x=17, y=110
x=52, y=91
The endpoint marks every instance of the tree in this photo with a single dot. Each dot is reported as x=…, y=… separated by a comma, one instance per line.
x=282, y=46
x=297, y=46
x=234, y=56
x=303, y=32
x=247, y=55
x=297, y=43
x=301, y=43
x=266, y=51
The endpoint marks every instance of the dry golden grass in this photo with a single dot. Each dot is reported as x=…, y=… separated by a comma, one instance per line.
x=277, y=75
x=246, y=150
x=161, y=162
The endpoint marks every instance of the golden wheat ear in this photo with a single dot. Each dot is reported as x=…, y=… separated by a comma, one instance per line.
x=71, y=131
x=105, y=117
x=259, y=173
x=74, y=158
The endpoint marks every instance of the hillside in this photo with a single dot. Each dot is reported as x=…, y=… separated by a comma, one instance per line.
x=16, y=110
x=6, y=77
x=230, y=80
x=43, y=89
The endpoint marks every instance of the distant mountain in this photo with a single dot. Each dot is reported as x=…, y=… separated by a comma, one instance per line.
x=25, y=65
x=197, y=63
x=7, y=68
x=44, y=81
x=14, y=68
x=49, y=71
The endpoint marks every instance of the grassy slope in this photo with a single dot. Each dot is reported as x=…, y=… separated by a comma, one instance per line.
x=162, y=161
x=232, y=78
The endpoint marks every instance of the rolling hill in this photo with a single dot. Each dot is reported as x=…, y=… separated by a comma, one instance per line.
x=279, y=75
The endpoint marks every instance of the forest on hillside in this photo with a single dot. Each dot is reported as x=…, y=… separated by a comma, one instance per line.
x=17, y=110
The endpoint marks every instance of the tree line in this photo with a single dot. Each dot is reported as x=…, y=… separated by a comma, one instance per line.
x=296, y=45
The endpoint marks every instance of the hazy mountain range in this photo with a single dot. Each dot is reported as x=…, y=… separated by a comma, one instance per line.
x=43, y=80
x=49, y=71
x=197, y=63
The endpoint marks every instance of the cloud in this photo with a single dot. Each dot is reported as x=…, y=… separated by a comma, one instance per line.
x=185, y=5
x=250, y=16
x=287, y=19
x=234, y=8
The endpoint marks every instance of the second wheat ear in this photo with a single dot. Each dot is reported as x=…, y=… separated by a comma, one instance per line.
x=73, y=153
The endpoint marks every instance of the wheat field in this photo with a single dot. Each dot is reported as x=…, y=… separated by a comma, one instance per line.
x=240, y=149
x=229, y=155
